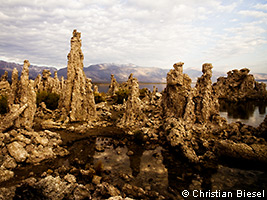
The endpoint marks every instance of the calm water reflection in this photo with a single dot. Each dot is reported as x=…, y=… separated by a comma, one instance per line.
x=156, y=168
x=250, y=112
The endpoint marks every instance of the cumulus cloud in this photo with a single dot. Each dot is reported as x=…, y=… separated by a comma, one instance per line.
x=243, y=39
x=253, y=13
x=261, y=6
x=143, y=32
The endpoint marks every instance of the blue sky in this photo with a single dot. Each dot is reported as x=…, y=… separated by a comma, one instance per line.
x=228, y=34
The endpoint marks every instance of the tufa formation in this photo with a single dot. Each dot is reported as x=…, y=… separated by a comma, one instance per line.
x=47, y=83
x=239, y=85
x=21, y=101
x=133, y=116
x=27, y=96
x=78, y=98
x=113, y=87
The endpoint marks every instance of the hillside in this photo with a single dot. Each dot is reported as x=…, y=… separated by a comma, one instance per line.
x=100, y=73
x=33, y=70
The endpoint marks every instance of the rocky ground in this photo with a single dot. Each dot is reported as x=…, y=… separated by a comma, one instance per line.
x=116, y=167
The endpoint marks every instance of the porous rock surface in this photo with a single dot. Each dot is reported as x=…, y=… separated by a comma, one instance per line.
x=179, y=111
x=239, y=85
x=66, y=187
x=5, y=87
x=133, y=115
x=113, y=87
x=193, y=105
x=13, y=97
x=47, y=83
x=21, y=101
x=205, y=99
x=178, y=89
x=262, y=129
x=191, y=120
x=22, y=146
x=78, y=98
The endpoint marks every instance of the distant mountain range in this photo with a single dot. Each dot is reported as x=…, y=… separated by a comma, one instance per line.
x=100, y=73
x=33, y=70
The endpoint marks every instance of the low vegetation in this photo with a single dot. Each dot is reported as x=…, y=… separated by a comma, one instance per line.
x=50, y=99
x=3, y=104
x=121, y=94
x=99, y=97
x=143, y=92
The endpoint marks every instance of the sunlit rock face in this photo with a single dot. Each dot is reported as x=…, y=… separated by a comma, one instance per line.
x=239, y=85
x=114, y=86
x=56, y=84
x=187, y=110
x=206, y=101
x=177, y=92
x=26, y=95
x=78, y=98
x=177, y=104
x=13, y=97
x=194, y=105
x=4, y=85
x=133, y=116
x=47, y=83
x=21, y=101
x=5, y=88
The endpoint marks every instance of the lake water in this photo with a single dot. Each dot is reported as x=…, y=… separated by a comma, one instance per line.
x=103, y=87
x=250, y=113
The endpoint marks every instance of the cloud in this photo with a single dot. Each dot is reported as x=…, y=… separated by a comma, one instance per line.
x=143, y=32
x=261, y=6
x=253, y=13
x=238, y=40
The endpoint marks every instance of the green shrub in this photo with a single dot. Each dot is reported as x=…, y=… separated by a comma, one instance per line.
x=99, y=97
x=50, y=99
x=3, y=104
x=142, y=92
x=120, y=95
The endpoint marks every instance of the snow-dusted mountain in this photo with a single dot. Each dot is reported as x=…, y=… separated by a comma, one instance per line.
x=33, y=70
x=100, y=73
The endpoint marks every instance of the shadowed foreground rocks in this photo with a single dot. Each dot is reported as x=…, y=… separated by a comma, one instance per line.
x=20, y=146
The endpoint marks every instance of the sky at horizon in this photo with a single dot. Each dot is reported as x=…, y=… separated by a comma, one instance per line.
x=228, y=34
